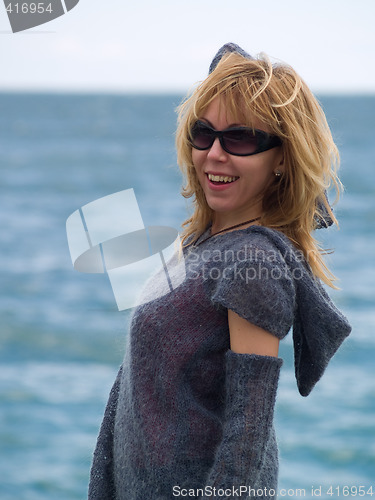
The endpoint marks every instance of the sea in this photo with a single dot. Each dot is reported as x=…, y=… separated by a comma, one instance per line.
x=62, y=337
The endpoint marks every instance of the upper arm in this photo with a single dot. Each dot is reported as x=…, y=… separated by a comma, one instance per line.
x=247, y=338
x=256, y=283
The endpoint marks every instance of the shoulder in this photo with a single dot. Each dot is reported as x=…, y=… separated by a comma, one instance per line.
x=267, y=238
x=258, y=243
x=254, y=279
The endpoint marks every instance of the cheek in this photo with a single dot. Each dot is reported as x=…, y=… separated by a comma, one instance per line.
x=197, y=166
x=262, y=167
x=195, y=157
x=198, y=158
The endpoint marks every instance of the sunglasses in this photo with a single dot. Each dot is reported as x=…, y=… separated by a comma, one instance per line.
x=237, y=141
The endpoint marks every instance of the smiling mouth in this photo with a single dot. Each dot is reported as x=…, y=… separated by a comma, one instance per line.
x=221, y=179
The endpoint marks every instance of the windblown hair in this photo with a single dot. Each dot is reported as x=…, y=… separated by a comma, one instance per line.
x=255, y=89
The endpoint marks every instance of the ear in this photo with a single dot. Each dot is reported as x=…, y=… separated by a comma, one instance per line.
x=280, y=166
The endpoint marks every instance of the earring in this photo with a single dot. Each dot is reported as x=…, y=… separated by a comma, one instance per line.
x=277, y=174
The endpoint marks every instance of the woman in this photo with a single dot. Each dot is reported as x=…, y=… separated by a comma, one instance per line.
x=191, y=411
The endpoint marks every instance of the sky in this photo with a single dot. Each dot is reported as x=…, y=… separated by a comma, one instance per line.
x=166, y=46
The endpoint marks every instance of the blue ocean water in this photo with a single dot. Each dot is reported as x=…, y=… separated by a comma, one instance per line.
x=62, y=337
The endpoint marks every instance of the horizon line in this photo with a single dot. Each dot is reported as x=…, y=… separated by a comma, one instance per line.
x=156, y=91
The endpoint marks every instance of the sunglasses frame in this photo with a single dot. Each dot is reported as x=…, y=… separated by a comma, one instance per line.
x=267, y=141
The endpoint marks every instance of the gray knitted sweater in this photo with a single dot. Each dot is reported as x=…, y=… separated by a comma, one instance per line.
x=186, y=415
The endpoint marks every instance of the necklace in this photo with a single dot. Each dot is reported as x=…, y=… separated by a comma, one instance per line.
x=228, y=229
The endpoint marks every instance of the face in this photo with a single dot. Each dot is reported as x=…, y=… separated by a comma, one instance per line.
x=233, y=185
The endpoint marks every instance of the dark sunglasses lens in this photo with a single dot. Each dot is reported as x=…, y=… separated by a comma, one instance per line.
x=201, y=136
x=240, y=142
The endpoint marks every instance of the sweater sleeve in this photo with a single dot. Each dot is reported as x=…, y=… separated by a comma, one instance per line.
x=260, y=289
x=247, y=455
x=101, y=485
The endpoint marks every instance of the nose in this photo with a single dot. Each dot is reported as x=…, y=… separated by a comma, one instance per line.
x=216, y=152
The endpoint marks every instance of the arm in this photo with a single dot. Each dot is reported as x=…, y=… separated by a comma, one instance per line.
x=259, y=296
x=247, y=454
x=101, y=485
x=246, y=338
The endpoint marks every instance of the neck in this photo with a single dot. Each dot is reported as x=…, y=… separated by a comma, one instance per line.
x=220, y=223
x=228, y=218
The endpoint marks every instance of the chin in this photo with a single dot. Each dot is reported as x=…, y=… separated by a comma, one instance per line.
x=219, y=207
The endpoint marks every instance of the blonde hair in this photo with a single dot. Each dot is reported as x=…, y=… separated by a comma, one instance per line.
x=278, y=97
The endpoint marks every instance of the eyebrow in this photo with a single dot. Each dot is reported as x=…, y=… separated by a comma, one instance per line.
x=234, y=125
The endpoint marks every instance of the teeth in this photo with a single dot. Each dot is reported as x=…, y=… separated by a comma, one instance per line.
x=220, y=178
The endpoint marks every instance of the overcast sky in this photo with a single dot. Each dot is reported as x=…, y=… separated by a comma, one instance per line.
x=158, y=46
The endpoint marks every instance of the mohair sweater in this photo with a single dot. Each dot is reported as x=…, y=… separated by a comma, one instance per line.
x=185, y=411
